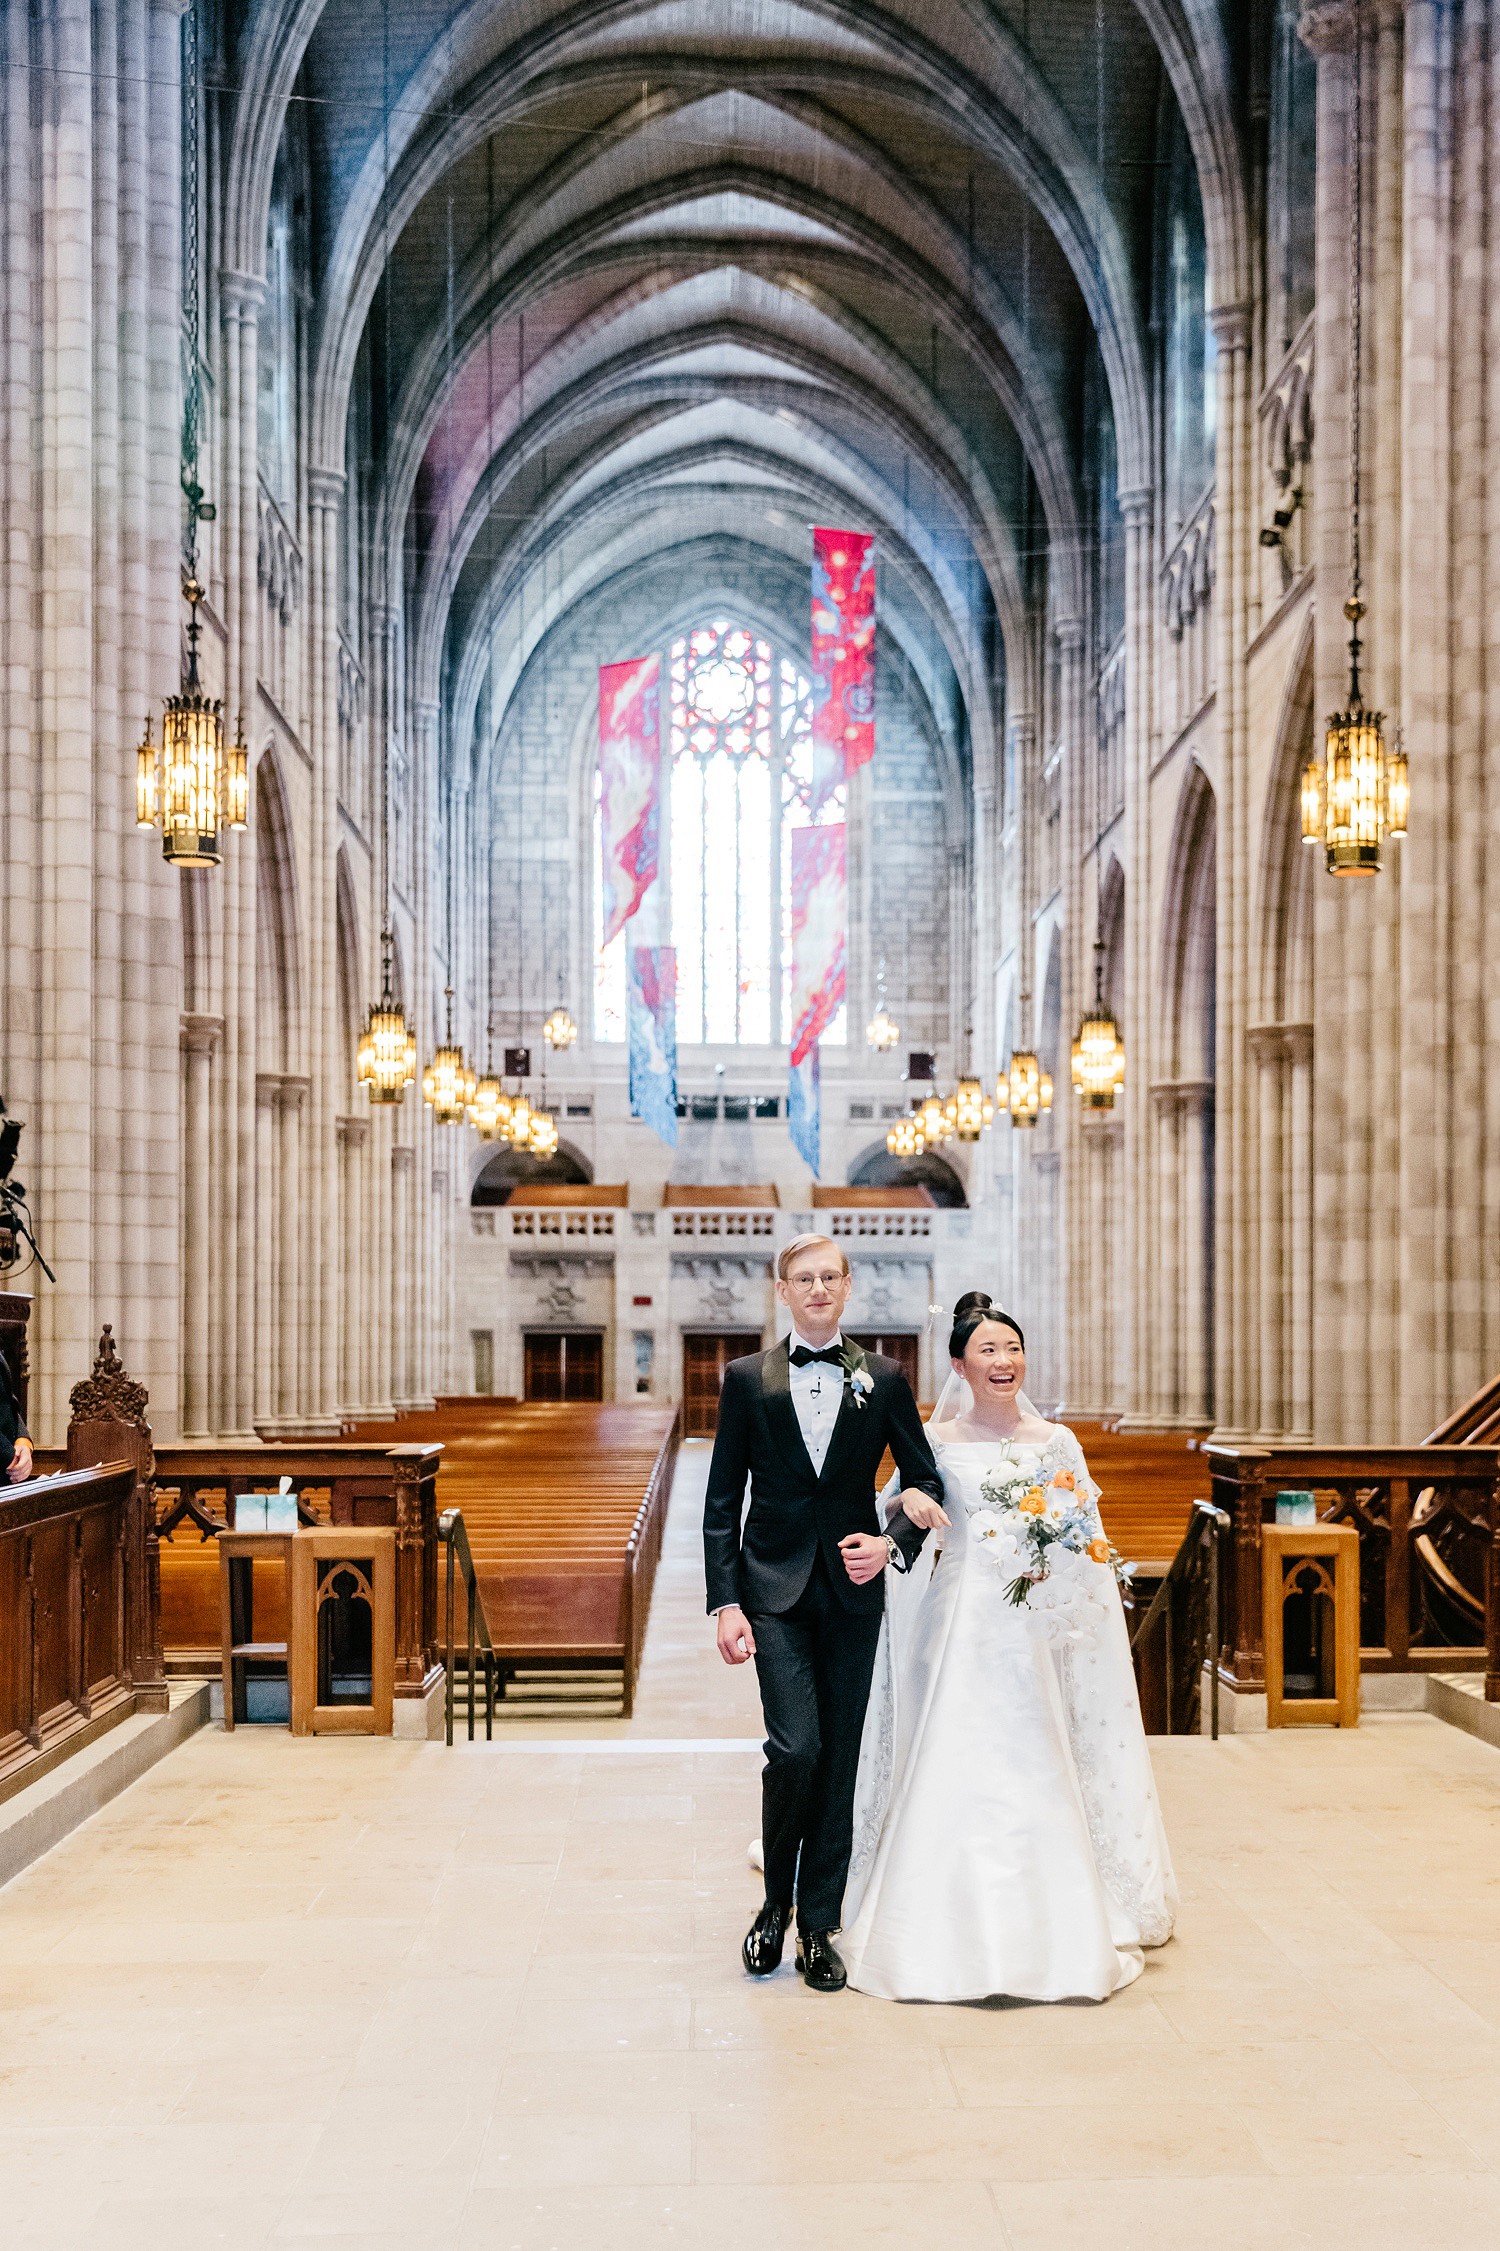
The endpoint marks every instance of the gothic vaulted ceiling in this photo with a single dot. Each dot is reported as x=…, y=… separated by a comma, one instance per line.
x=624, y=278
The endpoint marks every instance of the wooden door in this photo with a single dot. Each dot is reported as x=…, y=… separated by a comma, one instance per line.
x=704, y=1359
x=901, y=1349
x=564, y=1365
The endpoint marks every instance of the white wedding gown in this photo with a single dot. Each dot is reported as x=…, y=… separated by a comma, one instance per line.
x=1007, y=1837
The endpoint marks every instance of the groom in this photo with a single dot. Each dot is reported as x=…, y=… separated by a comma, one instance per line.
x=799, y=1587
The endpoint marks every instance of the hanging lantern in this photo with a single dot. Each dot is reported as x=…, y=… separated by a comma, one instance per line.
x=448, y=1083
x=969, y=1110
x=387, y=1050
x=1098, y=1051
x=489, y=1109
x=520, y=1122
x=930, y=1120
x=1361, y=794
x=1028, y=1091
x=1357, y=795
x=542, y=1138
x=559, y=1031
x=187, y=787
x=905, y=1138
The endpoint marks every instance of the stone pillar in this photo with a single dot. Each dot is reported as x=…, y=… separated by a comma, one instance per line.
x=1075, y=1263
x=240, y=299
x=1235, y=608
x=353, y=1380
x=1137, y=1183
x=200, y=1040
x=327, y=1067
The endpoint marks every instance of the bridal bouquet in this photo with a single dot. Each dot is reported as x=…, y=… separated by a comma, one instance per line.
x=1044, y=1539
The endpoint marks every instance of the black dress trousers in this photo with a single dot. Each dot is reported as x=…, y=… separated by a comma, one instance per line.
x=814, y=1663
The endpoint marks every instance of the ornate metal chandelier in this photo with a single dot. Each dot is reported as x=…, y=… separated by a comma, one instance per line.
x=906, y=1138
x=1025, y=1091
x=190, y=787
x=1358, y=793
x=968, y=1109
x=559, y=1031
x=448, y=1084
x=387, y=1051
x=1098, y=1051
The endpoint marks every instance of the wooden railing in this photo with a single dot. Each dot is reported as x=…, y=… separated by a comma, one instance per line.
x=1428, y=1519
x=1475, y=1423
x=196, y=1487
x=199, y=1485
x=67, y=1623
x=1170, y=1641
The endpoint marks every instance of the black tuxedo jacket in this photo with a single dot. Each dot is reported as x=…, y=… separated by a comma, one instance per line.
x=794, y=1510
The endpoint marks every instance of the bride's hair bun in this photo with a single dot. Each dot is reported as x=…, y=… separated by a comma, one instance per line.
x=973, y=1309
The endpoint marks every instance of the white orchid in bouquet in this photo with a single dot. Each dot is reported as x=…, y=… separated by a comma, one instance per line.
x=1045, y=1538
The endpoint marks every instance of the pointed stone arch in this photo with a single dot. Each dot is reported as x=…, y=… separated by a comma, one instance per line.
x=277, y=935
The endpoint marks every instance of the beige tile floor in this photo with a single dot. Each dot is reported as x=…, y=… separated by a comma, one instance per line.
x=380, y=1995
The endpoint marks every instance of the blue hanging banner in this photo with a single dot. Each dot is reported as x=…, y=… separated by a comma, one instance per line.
x=804, y=1107
x=653, y=1039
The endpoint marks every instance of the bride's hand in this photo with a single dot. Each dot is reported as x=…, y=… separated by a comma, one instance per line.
x=922, y=1510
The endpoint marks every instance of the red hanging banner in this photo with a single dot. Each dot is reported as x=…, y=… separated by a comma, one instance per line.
x=629, y=786
x=819, y=921
x=843, y=657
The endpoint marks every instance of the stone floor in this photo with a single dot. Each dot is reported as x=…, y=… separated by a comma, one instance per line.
x=382, y=1994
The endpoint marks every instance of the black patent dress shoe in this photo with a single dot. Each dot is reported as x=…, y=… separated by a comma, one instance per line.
x=818, y=1960
x=761, y=1952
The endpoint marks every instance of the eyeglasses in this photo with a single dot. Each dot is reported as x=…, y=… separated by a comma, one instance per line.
x=815, y=1281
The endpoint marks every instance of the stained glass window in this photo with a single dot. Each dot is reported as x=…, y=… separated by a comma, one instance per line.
x=740, y=719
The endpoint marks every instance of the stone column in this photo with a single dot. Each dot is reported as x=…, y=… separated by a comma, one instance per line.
x=326, y=1066
x=1137, y=1186
x=287, y=1220
x=353, y=1140
x=240, y=299
x=1075, y=1263
x=266, y=1395
x=200, y=1039
x=1235, y=607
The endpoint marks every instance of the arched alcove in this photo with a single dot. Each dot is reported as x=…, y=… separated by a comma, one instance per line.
x=1281, y=1083
x=877, y=1168
x=511, y=1169
x=276, y=962
x=1183, y=1111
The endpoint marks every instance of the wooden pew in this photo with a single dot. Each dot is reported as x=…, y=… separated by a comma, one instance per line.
x=564, y=1507
x=65, y=1601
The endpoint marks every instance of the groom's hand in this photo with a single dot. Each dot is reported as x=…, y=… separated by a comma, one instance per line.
x=865, y=1556
x=736, y=1641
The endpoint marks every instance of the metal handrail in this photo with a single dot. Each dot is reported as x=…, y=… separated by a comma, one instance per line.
x=1207, y=1528
x=450, y=1530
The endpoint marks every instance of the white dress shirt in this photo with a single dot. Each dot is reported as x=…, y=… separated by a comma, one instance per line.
x=817, y=1395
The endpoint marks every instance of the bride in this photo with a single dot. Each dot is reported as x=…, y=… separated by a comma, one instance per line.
x=1007, y=1838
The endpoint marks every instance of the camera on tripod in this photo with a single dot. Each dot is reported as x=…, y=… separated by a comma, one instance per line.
x=15, y=1219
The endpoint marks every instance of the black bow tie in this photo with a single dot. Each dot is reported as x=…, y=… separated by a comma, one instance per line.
x=803, y=1355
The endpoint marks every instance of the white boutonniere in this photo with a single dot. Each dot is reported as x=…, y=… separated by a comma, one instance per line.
x=857, y=1376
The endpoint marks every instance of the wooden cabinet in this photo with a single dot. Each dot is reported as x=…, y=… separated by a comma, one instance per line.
x=704, y=1359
